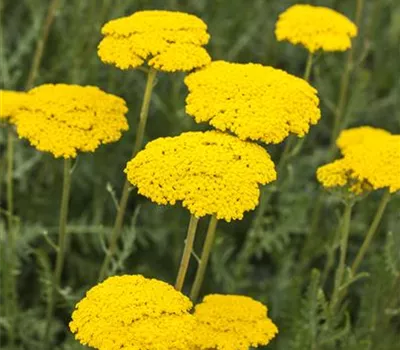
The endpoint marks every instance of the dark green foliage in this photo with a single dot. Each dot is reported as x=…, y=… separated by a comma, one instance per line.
x=267, y=263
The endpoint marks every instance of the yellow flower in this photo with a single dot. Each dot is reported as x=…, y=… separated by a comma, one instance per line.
x=133, y=312
x=377, y=162
x=232, y=322
x=359, y=135
x=11, y=102
x=316, y=28
x=64, y=119
x=340, y=174
x=210, y=172
x=169, y=41
x=253, y=101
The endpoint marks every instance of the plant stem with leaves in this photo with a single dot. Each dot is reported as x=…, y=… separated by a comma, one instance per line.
x=119, y=220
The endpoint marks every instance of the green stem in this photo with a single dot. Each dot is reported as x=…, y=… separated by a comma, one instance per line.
x=371, y=231
x=205, y=255
x=343, y=252
x=309, y=63
x=187, y=252
x=62, y=243
x=12, y=304
x=144, y=112
x=37, y=58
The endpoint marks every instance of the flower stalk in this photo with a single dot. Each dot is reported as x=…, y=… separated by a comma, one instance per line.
x=371, y=231
x=144, y=112
x=187, y=252
x=61, y=250
x=205, y=255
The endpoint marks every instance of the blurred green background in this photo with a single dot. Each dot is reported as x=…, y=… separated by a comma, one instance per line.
x=264, y=264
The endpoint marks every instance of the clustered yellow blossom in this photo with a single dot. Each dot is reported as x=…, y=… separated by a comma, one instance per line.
x=210, y=172
x=133, y=312
x=66, y=119
x=359, y=135
x=169, y=41
x=136, y=313
x=371, y=161
x=316, y=28
x=253, y=101
x=232, y=322
x=11, y=102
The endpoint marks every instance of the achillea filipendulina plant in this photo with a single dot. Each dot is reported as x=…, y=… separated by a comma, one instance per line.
x=253, y=101
x=133, y=312
x=168, y=41
x=66, y=119
x=212, y=173
x=232, y=322
x=315, y=28
x=10, y=103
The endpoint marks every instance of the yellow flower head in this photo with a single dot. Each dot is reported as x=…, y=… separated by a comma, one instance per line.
x=253, y=101
x=133, y=312
x=64, y=119
x=11, y=102
x=210, y=172
x=377, y=162
x=232, y=322
x=340, y=174
x=316, y=28
x=359, y=135
x=169, y=41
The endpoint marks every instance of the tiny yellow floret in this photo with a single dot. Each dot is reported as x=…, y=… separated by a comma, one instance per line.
x=253, y=101
x=167, y=40
x=316, y=28
x=66, y=119
x=232, y=322
x=210, y=172
x=359, y=135
x=10, y=103
x=133, y=312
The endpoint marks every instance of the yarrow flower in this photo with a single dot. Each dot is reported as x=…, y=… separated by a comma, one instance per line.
x=253, y=101
x=11, y=102
x=133, y=312
x=371, y=161
x=232, y=322
x=66, y=119
x=210, y=172
x=316, y=28
x=359, y=135
x=169, y=41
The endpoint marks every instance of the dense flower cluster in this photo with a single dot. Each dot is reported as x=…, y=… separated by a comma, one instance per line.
x=371, y=161
x=359, y=135
x=168, y=41
x=232, y=322
x=133, y=312
x=11, y=102
x=316, y=28
x=253, y=101
x=64, y=119
x=210, y=172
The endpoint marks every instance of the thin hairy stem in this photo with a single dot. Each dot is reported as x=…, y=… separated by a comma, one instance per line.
x=119, y=220
x=371, y=231
x=187, y=252
x=205, y=255
x=61, y=250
